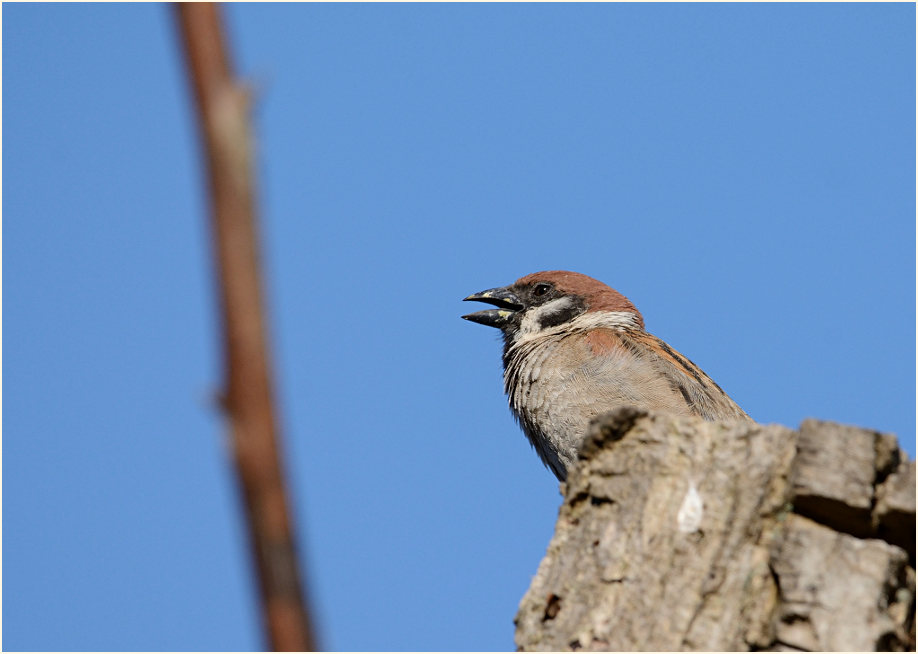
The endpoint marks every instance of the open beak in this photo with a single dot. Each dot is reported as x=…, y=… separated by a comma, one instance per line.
x=503, y=298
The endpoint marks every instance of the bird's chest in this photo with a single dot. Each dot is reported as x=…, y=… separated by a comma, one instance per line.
x=558, y=385
x=551, y=387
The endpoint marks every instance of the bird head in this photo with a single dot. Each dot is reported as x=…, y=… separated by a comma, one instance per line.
x=552, y=300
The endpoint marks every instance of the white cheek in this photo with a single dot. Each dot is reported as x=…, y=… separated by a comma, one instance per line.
x=531, y=322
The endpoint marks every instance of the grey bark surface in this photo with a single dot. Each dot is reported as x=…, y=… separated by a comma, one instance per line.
x=679, y=534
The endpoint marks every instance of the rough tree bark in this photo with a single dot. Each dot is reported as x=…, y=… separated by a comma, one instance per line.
x=680, y=534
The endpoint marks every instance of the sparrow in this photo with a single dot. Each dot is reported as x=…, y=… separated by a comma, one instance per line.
x=575, y=348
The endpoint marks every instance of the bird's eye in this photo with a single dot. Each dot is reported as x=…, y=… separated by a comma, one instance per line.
x=541, y=289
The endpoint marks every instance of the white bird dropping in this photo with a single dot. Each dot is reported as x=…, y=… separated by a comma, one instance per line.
x=691, y=512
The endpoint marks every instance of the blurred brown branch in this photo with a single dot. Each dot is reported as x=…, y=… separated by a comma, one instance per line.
x=223, y=119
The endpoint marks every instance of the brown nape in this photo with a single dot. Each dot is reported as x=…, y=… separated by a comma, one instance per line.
x=599, y=297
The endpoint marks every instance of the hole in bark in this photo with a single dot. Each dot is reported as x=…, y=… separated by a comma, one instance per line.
x=579, y=497
x=890, y=642
x=552, y=608
x=898, y=528
x=834, y=514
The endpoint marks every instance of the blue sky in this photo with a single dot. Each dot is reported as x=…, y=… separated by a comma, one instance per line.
x=745, y=174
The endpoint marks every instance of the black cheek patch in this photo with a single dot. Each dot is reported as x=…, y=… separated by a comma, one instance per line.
x=561, y=316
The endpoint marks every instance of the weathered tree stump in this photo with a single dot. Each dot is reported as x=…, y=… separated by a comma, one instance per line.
x=681, y=534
